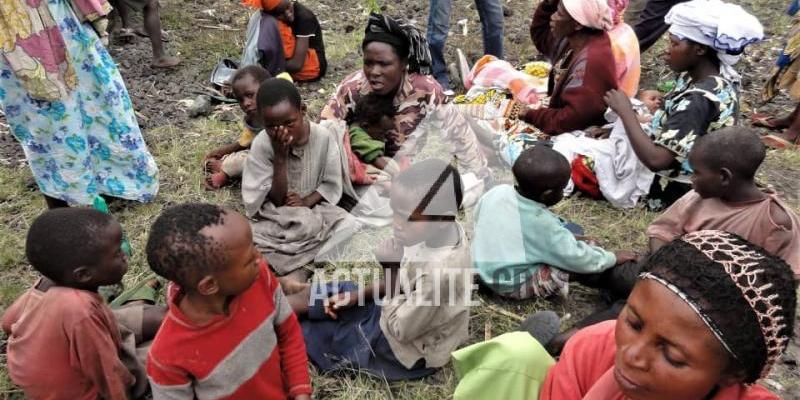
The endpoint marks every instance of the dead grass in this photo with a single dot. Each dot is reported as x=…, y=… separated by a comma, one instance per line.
x=179, y=153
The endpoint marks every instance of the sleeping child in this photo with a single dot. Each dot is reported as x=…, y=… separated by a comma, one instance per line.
x=368, y=141
x=405, y=326
x=292, y=181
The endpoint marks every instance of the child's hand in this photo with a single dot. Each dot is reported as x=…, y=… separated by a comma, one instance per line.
x=281, y=140
x=588, y=240
x=293, y=200
x=340, y=301
x=303, y=397
x=618, y=101
x=625, y=256
x=389, y=252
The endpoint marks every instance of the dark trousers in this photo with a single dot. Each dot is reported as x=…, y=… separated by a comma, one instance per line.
x=650, y=25
x=617, y=282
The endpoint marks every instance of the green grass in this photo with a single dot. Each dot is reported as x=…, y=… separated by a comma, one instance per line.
x=179, y=153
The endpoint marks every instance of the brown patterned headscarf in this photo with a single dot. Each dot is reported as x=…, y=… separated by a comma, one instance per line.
x=745, y=296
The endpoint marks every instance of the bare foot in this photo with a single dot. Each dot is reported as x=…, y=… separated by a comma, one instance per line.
x=213, y=166
x=217, y=180
x=166, y=62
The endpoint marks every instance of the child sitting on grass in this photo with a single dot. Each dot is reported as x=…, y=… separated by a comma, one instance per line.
x=371, y=146
x=709, y=316
x=229, y=332
x=64, y=342
x=521, y=249
x=300, y=36
x=292, y=181
x=227, y=162
x=725, y=197
x=424, y=313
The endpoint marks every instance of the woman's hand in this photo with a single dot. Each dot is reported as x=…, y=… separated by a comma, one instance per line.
x=618, y=101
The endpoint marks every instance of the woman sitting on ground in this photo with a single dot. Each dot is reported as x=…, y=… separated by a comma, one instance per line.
x=397, y=65
x=710, y=315
x=580, y=36
x=705, y=96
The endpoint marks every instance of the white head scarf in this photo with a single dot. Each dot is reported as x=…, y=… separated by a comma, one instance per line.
x=727, y=28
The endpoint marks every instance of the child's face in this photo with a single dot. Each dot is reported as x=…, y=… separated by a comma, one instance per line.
x=245, y=90
x=287, y=115
x=664, y=350
x=378, y=131
x=112, y=264
x=652, y=99
x=707, y=182
x=409, y=227
x=284, y=11
x=241, y=257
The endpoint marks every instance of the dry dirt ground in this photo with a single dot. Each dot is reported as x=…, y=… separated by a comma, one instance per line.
x=203, y=31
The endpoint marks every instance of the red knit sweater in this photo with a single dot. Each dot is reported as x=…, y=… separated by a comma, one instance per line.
x=255, y=352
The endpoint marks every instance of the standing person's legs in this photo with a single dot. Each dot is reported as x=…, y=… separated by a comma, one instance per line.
x=491, y=14
x=651, y=23
x=438, y=28
x=152, y=25
x=634, y=11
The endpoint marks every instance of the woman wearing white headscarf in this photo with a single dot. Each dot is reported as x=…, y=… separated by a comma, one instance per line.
x=707, y=38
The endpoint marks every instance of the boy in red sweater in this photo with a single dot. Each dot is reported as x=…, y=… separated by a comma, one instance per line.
x=229, y=332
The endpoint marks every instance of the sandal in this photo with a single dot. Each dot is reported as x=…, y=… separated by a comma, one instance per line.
x=146, y=291
x=765, y=121
x=778, y=143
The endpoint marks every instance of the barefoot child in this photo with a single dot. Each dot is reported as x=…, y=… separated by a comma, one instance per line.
x=426, y=289
x=521, y=249
x=292, y=181
x=229, y=332
x=64, y=342
x=709, y=316
x=228, y=161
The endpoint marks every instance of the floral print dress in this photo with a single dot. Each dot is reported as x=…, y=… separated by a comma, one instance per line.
x=691, y=110
x=88, y=143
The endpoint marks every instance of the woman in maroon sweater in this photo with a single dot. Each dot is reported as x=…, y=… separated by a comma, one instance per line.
x=573, y=35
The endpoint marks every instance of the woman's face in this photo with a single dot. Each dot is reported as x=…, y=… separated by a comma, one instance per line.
x=562, y=24
x=664, y=350
x=681, y=55
x=383, y=68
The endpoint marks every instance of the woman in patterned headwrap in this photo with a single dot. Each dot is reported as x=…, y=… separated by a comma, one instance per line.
x=710, y=315
x=397, y=64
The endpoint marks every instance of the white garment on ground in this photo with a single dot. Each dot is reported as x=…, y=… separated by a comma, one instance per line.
x=623, y=179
